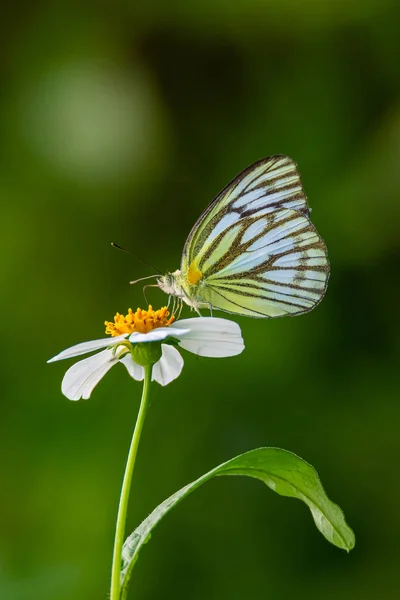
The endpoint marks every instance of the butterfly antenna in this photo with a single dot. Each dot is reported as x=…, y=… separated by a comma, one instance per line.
x=114, y=245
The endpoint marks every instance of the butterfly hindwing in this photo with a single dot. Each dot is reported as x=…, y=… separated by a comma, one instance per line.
x=275, y=264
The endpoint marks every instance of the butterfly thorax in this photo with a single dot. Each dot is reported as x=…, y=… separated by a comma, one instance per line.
x=184, y=285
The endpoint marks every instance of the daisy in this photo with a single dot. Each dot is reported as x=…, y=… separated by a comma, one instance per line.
x=143, y=338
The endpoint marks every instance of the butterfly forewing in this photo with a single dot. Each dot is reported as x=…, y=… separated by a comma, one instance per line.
x=265, y=186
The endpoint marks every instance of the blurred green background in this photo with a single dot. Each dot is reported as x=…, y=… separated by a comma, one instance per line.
x=121, y=121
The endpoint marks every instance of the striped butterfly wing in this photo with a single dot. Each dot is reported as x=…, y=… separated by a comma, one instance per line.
x=266, y=266
x=259, y=254
x=266, y=185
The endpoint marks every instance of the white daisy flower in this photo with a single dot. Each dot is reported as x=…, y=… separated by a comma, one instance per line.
x=204, y=336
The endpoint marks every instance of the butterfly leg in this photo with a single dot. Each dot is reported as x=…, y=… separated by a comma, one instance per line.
x=180, y=307
x=196, y=310
x=174, y=305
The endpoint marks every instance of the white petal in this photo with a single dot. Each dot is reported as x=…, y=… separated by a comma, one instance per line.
x=83, y=376
x=156, y=335
x=86, y=347
x=169, y=366
x=134, y=370
x=211, y=336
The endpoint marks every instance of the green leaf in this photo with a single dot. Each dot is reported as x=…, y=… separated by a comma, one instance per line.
x=282, y=471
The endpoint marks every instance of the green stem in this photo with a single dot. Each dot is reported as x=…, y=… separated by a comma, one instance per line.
x=126, y=485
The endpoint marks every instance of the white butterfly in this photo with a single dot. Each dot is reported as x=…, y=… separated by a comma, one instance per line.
x=254, y=250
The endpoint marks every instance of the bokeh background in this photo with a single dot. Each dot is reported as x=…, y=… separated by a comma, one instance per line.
x=120, y=122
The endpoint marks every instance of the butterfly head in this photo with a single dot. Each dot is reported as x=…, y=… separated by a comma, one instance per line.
x=170, y=283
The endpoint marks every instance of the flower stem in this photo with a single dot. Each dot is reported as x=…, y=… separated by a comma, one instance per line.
x=126, y=485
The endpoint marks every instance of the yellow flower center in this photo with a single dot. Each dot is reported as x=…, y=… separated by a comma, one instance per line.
x=141, y=321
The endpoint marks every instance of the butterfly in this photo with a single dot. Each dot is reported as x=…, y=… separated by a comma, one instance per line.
x=254, y=250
